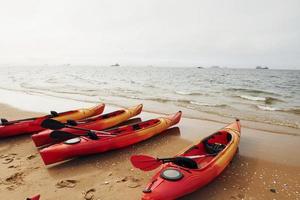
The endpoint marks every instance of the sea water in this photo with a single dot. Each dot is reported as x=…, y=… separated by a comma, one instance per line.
x=271, y=96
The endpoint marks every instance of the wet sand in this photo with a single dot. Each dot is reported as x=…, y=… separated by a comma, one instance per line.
x=267, y=165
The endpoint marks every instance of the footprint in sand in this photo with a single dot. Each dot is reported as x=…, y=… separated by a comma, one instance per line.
x=66, y=183
x=132, y=182
x=14, y=180
x=8, y=158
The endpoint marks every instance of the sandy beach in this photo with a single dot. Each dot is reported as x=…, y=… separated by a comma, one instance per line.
x=266, y=167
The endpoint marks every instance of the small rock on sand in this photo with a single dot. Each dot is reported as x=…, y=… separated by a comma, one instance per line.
x=273, y=190
x=31, y=157
x=66, y=183
x=89, y=194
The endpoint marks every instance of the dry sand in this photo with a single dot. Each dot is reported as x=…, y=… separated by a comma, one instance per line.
x=266, y=167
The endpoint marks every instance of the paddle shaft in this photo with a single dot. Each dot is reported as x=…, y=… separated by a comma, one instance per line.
x=164, y=160
x=84, y=129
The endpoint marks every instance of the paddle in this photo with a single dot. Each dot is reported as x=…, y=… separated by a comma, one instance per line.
x=56, y=125
x=148, y=163
x=4, y=121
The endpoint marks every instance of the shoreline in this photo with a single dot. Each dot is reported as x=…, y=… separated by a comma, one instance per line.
x=44, y=103
x=265, y=161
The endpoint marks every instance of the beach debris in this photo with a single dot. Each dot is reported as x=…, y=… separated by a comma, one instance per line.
x=106, y=182
x=110, y=174
x=66, y=183
x=31, y=157
x=124, y=179
x=273, y=190
x=89, y=194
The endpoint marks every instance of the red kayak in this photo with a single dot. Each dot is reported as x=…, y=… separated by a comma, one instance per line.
x=31, y=125
x=98, y=123
x=120, y=137
x=192, y=169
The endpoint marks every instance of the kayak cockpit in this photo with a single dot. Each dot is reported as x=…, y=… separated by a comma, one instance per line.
x=134, y=127
x=203, y=153
x=104, y=116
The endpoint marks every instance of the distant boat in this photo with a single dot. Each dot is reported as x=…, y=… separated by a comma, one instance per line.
x=260, y=67
x=200, y=67
x=115, y=65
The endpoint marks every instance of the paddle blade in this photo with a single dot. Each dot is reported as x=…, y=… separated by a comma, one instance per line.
x=37, y=197
x=145, y=163
x=61, y=135
x=52, y=124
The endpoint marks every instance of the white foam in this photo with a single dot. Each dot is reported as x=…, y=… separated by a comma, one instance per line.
x=253, y=98
x=267, y=108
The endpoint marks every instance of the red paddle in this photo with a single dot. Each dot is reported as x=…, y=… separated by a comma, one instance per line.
x=148, y=163
x=145, y=163
x=37, y=197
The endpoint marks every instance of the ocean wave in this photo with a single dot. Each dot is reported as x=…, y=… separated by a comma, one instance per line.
x=188, y=93
x=207, y=104
x=267, y=100
x=288, y=110
x=268, y=108
x=252, y=98
x=251, y=91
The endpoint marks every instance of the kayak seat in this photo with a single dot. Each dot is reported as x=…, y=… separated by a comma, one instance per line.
x=217, y=142
x=185, y=162
x=105, y=116
x=136, y=127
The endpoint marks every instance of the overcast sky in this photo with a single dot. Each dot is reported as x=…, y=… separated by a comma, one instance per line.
x=236, y=33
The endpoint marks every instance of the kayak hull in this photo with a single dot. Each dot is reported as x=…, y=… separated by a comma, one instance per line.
x=95, y=123
x=125, y=136
x=31, y=126
x=192, y=179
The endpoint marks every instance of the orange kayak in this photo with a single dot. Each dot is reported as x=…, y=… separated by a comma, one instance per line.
x=205, y=161
x=31, y=125
x=122, y=137
x=95, y=123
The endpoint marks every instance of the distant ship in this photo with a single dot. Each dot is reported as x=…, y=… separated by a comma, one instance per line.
x=260, y=67
x=115, y=65
x=200, y=67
